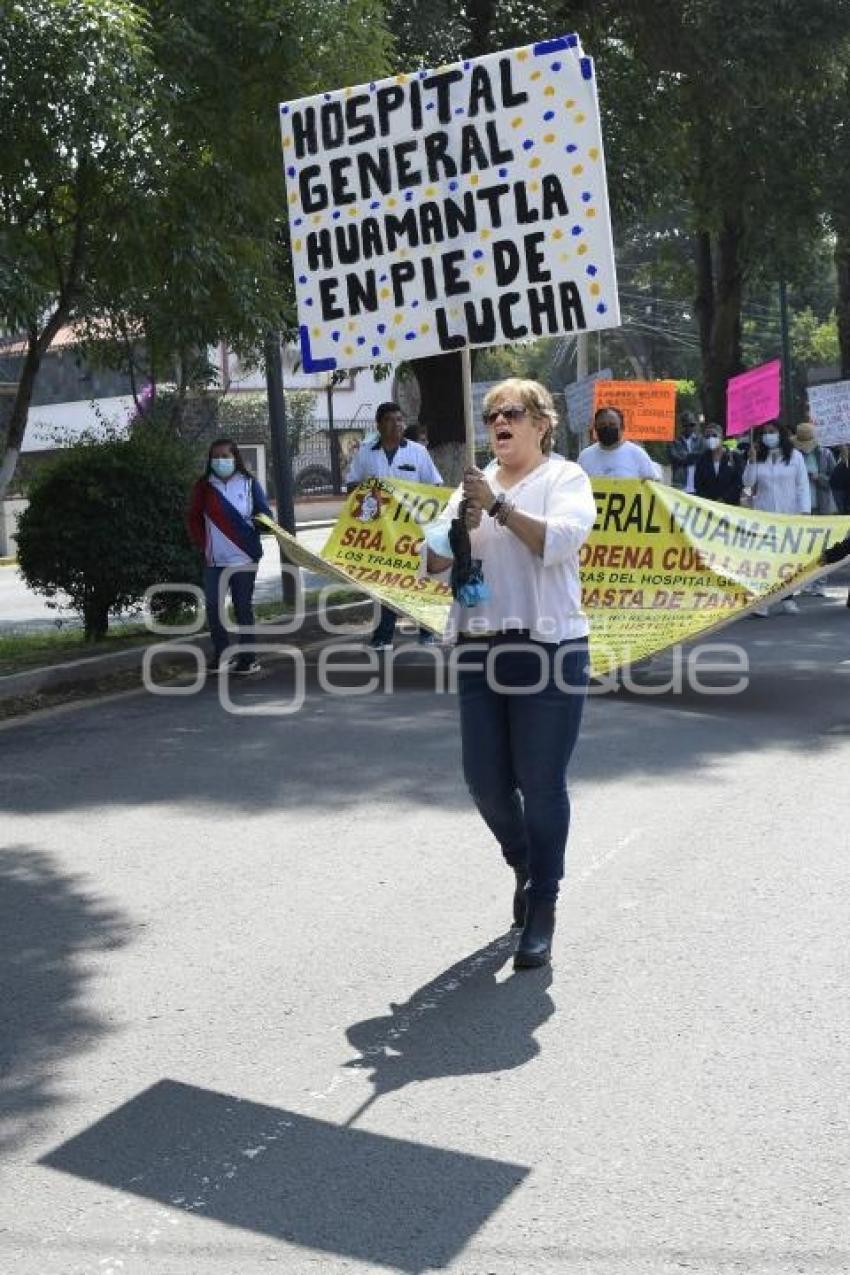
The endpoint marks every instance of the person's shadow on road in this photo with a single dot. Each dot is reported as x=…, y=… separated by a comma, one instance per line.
x=464, y=1022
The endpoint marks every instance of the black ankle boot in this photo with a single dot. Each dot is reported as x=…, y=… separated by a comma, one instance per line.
x=535, y=942
x=521, y=875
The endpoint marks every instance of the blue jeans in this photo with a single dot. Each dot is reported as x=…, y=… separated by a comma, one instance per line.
x=241, y=588
x=516, y=747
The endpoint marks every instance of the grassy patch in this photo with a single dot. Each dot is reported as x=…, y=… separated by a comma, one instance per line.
x=41, y=647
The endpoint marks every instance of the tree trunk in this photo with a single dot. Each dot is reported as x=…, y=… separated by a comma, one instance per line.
x=37, y=346
x=842, y=266
x=95, y=616
x=720, y=283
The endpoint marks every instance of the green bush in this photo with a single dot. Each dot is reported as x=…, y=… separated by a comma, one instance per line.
x=105, y=522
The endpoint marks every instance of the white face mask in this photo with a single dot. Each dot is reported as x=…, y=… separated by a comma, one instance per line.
x=770, y=440
x=712, y=441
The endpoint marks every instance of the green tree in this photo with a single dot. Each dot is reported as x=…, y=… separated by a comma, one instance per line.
x=106, y=521
x=75, y=95
x=142, y=179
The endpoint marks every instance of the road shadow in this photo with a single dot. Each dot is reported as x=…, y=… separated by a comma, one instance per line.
x=344, y=1191
x=51, y=928
x=465, y=1022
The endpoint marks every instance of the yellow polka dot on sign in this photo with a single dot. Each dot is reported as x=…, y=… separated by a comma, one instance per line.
x=402, y=252
x=401, y=79
x=570, y=103
x=317, y=331
x=535, y=75
x=594, y=152
x=522, y=55
x=534, y=186
x=392, y=201
x=352, y=212
x=591, y=212
x=594, y=289
x=287, y=141
x=474, y=179
x=425, y=327
x=316, y=218
x=348, y=92
x=579, y=118
x=576, y=169
x=296, y=243
x=549, y=90
x=351, y=325
x=485, y=233
x=557, y=234
x=397, y=318
x=391, y=344
x=430, y=191
x=479, y=269
x=454, y=313
x=384, y=293
x=293, y=198
x=535, y=163
x=516, y=121
x=565, y=256
x=348, y=349
x=548, y=137
x=582, y=249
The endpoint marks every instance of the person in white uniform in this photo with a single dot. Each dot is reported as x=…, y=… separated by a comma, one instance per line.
x=391, y=455
x=612, y=455
x=777, y=477
x=523, y=666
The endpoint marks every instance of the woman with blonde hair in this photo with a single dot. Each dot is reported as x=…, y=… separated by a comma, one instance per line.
x=523, y=669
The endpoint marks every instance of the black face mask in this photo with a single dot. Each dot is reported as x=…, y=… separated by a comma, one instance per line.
x=608, y=435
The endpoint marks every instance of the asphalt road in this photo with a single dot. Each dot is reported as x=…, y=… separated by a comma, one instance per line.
x=259, y=1011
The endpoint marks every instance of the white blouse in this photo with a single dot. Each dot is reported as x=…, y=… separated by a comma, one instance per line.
x=542, y=595
x=779, y=488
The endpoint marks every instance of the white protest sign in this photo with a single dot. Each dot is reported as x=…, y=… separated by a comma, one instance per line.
x=462, y=206
x=829, y=408
x=579, y=399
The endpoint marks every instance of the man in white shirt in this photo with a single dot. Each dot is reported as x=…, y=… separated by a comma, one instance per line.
x=391, y=455
x=614, y=456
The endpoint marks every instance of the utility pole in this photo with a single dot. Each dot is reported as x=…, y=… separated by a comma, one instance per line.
x=281, y=461
x=787, y=379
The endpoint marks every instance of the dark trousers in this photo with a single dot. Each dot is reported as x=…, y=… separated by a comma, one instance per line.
x=385, y=628
x=240, y=585
x=516, y=748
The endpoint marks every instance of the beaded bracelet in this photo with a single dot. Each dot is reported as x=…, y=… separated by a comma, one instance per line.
x=504, y=512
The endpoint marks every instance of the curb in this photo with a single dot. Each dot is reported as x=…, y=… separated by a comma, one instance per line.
x=78, y=674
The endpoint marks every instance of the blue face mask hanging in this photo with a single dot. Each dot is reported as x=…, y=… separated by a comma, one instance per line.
x=467, y=577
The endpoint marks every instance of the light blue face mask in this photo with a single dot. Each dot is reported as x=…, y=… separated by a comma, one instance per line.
x=223, y=466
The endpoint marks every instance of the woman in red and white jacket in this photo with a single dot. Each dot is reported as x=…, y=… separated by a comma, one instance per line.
x=220, y=522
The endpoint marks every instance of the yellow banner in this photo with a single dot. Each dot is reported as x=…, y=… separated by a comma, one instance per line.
x=660, y=567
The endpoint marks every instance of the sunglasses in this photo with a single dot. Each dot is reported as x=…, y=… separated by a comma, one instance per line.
x=509, y=413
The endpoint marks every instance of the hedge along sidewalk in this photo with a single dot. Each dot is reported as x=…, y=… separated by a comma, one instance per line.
x=34, y=688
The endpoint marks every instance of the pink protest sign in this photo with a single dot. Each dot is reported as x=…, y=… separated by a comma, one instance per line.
x=753, y=397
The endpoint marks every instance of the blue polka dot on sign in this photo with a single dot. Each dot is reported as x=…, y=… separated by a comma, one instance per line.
x=452, y=185
x=556, y=66
x=601, y=308
x=284, y=110
x=577, y=230
x=335, y=336
x=308, y=301
x=549, y=115
x=337, y=214
x=376, y=350
x=478, y=253
x=586, y=196
x=503, y=172
x=290, y=172
x=592, y=271
x=410, y=336
x=302, y=278
x=382, y=327
x=408, y=195
x=414, y=304
x=376, y=203
x=361, y=340
x=571, y=148
x=527, y=144
x=298, y=221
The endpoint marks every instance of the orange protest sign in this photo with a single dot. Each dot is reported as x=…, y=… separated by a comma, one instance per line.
x=648, y=407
